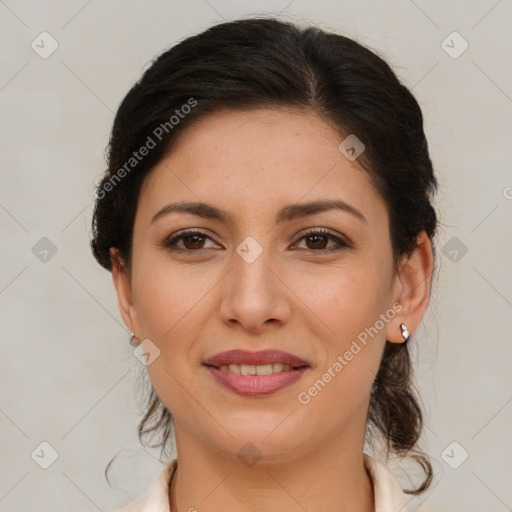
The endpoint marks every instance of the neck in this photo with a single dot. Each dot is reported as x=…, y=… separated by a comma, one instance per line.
x=326, y=478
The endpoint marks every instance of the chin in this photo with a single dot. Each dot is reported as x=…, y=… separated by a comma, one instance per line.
x=265, y=434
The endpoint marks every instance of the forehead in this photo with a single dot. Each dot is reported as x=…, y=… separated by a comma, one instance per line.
x=258, y=159
x=277, y=136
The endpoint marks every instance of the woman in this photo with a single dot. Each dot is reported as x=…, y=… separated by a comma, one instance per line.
x=266, y=215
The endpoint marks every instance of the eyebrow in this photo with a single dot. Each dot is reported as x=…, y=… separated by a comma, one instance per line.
x=285, y=214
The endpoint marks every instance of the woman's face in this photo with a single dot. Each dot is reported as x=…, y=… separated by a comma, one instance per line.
x=256, y=279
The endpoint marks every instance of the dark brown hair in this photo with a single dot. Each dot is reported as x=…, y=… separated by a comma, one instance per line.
x=264, y=62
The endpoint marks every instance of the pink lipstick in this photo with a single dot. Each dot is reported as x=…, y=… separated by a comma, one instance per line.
x=256, y=373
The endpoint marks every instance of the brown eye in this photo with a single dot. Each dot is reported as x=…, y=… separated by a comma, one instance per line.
x=315, y=240
x=318, y=240
x=192, y=241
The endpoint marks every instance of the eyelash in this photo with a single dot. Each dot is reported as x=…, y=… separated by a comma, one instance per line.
x=170, y=243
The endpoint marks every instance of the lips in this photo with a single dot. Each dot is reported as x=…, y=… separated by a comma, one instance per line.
x=244, y=357
x=256, y=374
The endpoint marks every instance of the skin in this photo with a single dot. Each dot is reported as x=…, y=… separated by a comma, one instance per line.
x=293, y=297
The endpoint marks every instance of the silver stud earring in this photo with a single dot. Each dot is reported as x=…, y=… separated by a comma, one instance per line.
x=405, y=332
x=134, y=341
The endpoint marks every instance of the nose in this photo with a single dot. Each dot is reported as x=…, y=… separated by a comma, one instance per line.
x=254, y=294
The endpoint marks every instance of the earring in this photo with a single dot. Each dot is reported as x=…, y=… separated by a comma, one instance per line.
x=134, y=341
x=405, y=332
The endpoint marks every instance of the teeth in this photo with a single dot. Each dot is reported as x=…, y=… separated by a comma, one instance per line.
x=251, y=369
x=247, y=369
x=233, y=368
x=264, y=369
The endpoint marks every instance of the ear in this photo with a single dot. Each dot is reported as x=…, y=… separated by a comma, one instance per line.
x=122, y=284
x=412, y=288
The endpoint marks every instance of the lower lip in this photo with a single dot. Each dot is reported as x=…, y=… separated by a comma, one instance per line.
x=256, y=385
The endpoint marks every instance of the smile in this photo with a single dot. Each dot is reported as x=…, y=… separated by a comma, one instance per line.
x=256, y=373
x=251, y=369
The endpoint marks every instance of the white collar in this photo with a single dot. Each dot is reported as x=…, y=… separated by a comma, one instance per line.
x=387, y=492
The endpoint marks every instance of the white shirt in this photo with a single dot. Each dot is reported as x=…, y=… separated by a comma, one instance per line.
x=388, y=493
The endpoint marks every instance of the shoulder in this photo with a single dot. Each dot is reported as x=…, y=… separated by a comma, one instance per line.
x=136, y=506
x=156, y=499
x=388, y=493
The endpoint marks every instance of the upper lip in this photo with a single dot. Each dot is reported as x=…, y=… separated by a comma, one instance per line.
x=255, y=358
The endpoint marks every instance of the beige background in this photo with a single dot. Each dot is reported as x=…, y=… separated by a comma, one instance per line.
x=67, y=372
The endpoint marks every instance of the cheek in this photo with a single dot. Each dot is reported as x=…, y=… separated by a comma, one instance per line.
x=347, y=299
x=168, y=303
x=166, y=295
x=352, y=305
x=173, y=305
